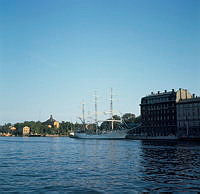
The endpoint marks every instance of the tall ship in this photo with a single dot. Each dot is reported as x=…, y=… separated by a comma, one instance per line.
x=93, y=131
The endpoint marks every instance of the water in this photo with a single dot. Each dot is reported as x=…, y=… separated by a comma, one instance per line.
x=64, y=165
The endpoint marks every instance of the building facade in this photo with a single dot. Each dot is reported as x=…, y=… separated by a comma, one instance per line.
x=56, y=124
x=188, y=117
x=12, y=128
x=158, y=112
x=26, y=130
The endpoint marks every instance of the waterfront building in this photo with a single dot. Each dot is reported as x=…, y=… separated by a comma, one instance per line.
x=158, y=112
x=7, y=134
x=188, y=117
x=12, y=128
x=26, y=130
x=51, y=122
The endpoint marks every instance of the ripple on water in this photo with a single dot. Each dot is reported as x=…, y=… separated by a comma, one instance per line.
x=42, y=164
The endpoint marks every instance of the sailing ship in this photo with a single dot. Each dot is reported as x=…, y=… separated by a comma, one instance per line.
x=95, y=132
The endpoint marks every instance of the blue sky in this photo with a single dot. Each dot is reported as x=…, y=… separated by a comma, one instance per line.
x=55, y=54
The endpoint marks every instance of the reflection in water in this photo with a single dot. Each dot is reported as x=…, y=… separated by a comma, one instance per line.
x=73, y=165
x=172, y=166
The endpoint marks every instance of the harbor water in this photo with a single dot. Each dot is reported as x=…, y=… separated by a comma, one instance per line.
x=64, y=165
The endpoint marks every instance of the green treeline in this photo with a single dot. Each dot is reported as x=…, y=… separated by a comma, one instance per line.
x=41, y=128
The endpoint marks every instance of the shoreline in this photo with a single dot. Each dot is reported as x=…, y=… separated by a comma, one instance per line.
x=128, y=137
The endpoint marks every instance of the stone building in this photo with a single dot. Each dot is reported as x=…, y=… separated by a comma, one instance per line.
x=188, y=117
x=26, y=130
x=52, y=122
x=158, y=112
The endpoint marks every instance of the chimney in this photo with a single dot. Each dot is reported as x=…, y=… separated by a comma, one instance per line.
x=193, y=95
x=151, y=93
x=165, y=91
x=172, y=90
x=158, y=92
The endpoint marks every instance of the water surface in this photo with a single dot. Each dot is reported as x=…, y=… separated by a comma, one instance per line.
x=64, y=165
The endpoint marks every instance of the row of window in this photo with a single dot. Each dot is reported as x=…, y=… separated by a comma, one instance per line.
x=158, y=107
x=159, y=118
x=189, y=113
x=191, y=105
x=158, y=100
x=160, y=124
x=158, y=112
x=188, y=124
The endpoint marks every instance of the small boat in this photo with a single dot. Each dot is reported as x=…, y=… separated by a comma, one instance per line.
x=72, y=134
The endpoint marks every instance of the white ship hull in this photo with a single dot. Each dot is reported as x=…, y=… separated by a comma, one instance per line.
x=118, y=134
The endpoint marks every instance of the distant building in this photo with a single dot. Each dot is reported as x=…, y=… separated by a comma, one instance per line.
x=52, y=122
x=158, y=111
x=188, y=116
x=56, y=124
x=26, y=130
x=7, y=134
x=12, y=128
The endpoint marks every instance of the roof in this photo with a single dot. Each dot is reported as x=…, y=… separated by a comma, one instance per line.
x=160, y=94
x=50, y=120
x=189, y=100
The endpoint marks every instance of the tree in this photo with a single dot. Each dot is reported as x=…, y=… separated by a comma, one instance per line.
x=106, y=125
x=138, y=119
x=128, y=118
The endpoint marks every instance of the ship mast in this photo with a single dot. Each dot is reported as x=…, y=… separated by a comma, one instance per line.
x=83, y=112
x=95, y=108
x=111, y=109
x=111, y=103
x=112, y=120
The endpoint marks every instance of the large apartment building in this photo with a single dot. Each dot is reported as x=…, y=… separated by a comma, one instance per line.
x=188, y=116
x=158, y=111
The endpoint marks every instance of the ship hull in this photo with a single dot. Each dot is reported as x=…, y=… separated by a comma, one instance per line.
x=118, y=134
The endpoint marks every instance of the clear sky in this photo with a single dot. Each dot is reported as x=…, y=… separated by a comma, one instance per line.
x=55, y=53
